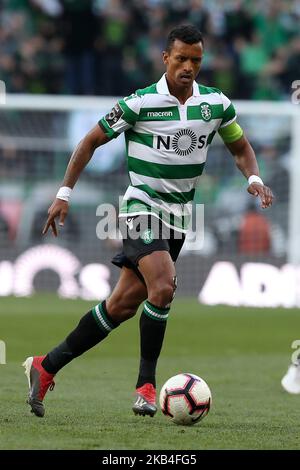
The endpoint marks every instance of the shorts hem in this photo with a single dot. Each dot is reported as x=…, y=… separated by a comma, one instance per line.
x=142, y=255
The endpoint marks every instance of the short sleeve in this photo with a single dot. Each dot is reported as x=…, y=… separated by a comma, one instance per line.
x=229, y=114
x=122, y=117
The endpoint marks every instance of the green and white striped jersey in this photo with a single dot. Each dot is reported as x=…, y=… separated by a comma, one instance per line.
x=166, y=146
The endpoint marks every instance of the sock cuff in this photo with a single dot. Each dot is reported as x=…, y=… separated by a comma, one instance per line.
x=102, y=318
x=156, y=313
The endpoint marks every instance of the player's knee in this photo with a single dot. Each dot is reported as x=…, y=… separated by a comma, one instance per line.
x=162, y=293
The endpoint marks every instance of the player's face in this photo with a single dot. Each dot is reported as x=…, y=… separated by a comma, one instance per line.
x=183, y=62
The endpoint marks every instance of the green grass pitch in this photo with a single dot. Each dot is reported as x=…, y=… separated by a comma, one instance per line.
x=242, y=354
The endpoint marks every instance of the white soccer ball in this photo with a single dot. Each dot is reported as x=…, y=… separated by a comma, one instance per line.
x=185, y=399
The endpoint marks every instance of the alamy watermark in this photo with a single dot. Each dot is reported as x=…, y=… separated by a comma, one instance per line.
x=296, y=94
x=2, y=352
x=2, y=92
x=182, y=220
x=296, y=354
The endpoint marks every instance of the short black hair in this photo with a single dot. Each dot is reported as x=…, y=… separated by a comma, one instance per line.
x=187, y=33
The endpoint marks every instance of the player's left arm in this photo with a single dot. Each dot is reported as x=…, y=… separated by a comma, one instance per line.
x=246, y=162
x=238, y=144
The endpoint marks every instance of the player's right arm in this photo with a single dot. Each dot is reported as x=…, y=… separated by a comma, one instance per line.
x=79, y=159
x=122, y=117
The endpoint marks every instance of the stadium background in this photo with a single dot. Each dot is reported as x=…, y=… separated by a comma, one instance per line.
x=111, y=48
x=64, y=63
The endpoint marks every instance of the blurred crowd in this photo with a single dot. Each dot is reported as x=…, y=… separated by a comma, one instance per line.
x=112, y=47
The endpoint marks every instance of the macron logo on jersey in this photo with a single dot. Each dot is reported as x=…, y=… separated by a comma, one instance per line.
x=160, y=114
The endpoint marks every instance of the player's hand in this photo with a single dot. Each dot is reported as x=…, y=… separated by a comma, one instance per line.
x=264, y=192
x=58, y=208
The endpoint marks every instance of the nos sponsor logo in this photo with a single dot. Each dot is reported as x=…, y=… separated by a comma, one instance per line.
x=184, y=142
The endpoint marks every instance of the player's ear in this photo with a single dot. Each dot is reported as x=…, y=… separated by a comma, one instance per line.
x=165, y=57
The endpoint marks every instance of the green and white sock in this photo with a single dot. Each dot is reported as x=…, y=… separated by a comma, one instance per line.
x=153, y=324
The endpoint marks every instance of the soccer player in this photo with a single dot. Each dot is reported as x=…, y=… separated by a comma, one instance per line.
x=168, y=129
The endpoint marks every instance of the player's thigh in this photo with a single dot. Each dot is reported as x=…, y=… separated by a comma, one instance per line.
x=158, y=270
x=128, y=293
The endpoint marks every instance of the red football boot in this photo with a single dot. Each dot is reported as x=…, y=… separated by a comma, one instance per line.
x=39, y=382
x=145, y=400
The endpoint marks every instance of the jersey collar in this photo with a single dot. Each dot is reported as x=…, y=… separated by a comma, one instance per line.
x=162, y=87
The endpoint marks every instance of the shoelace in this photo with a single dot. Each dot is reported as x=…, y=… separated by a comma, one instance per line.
x=45, y=387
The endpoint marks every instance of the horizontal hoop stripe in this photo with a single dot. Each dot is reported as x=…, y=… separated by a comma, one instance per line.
x=194, y=112
x=157, y=170
x=129, y=116
x=104, y=316
x=139, y=137
x=135, y=207
x=170, y=222
x=156, y=316
x=179, y=198
x=164, y=185
x=104, y=322
x=160, y=310
x=97, y=320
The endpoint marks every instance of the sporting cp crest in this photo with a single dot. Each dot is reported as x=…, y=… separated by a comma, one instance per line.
x=206, y=112
x=147, y=236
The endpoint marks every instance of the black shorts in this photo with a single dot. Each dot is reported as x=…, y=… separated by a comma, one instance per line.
x=142, y=235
